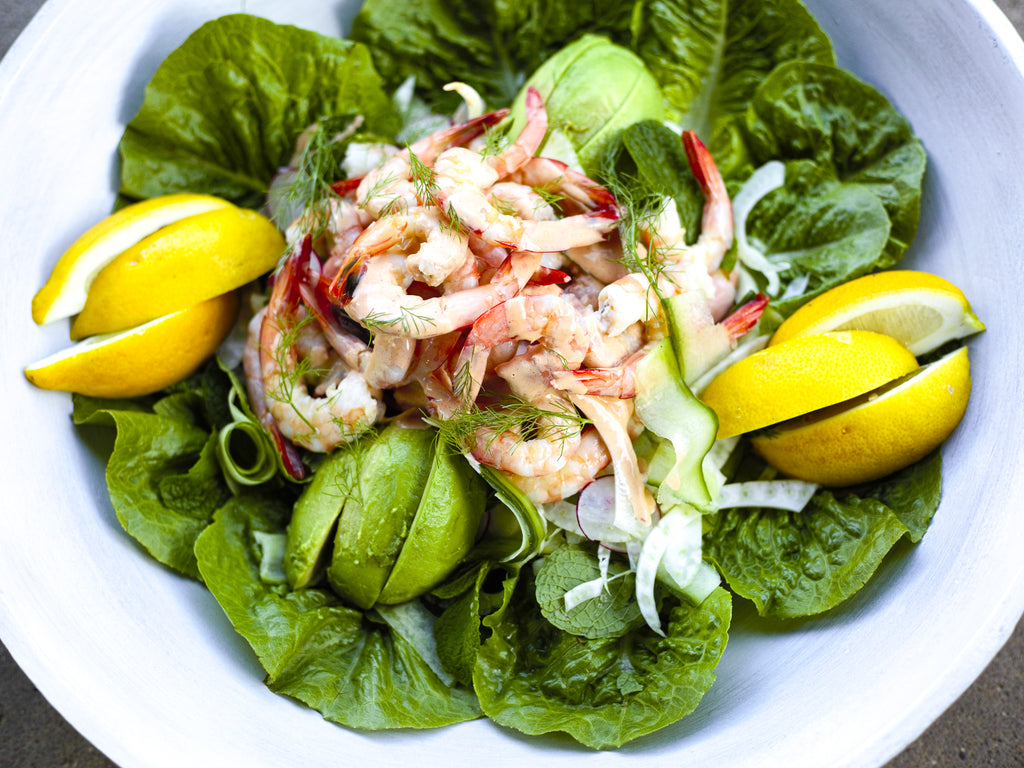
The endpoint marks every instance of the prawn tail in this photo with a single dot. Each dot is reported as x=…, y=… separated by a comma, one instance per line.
x=743, y=319
x=702, y=164
x=291, y=461
x=375, y=239
x=526, y=144
x=427, y=149
x=617, y=382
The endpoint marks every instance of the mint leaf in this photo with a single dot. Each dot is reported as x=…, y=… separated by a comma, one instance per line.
x=612, y=614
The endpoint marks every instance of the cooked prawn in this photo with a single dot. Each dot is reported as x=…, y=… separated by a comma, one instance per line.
x=348, y=405
x=381, y=300
x=680, y=268
x=464, y=179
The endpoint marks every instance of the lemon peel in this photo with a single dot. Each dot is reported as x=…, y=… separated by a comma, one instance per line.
x=921, y=310
x=182, y=264
x=142, y=360
x=64, y=293
x=876, y=434
x=802, y=375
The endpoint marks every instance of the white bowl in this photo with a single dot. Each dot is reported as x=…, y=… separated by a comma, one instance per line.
x=144, y=664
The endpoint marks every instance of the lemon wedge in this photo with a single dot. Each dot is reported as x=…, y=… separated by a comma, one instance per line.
x=921, y=310
x=802, y=375
x=875, y=434
x=64, y=293
x=142, y=360
x=188, y=261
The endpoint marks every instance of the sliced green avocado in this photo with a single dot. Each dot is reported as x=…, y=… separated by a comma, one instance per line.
x=314, y=516
x=443, y=531
x=392, y=473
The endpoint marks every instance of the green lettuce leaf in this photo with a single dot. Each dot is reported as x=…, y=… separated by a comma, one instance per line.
x=350, y=666
x=222, y=113
x=829, y=230
x=457, y=631
x=162, y=475
x=604, y=692
x=793, y=564
x=806, y=111
x=711, y=55
x=492, y=45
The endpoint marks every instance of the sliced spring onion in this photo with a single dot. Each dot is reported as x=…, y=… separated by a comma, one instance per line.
x=473, y=103
x=702, y=585
x=647, y=575
x=791, y=495
x=589, y=590
x=672, y=553
x=562, y=514
x=682, y=557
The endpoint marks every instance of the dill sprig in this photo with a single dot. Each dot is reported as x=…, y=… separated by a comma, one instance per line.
x=378, y=189
x=424, y=178
x=495, y=140
x=316, y=165
x=641, y=209
x=451, y=225
x=461, y=430
x=294, y=375
x=549, y=194
x=504, y=207
x=404, y=317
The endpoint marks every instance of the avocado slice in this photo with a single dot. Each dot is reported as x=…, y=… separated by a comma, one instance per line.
x=314, y=516
x=443, y=531
x=392, y=472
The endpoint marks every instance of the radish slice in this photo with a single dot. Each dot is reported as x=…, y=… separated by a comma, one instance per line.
x=791, y=495
x=595, y=510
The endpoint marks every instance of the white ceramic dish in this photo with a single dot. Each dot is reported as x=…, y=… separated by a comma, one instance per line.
x=146, y=667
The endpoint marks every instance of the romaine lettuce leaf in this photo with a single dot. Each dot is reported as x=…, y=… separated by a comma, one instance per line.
x=793, y=564
x=806, y=111
x=222, y=113
x=162, y=475
x=820, y=227
x=711, y=55
x=492, y=46
x=350, y=666
x=604, y=692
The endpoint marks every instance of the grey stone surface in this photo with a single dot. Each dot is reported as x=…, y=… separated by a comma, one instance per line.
x=983, y=729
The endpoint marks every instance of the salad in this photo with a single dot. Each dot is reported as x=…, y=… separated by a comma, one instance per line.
x=451, y=464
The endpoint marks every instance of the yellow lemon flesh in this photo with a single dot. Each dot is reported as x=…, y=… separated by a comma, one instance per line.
x=875, y=434
x=65, y=291
x=182, y=264
x=802, y=375
x=142, y=360
x=921, y=310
